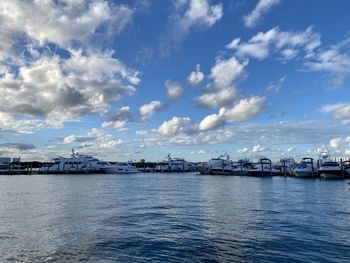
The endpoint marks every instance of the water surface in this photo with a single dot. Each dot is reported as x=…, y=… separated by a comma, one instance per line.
x=173, y=218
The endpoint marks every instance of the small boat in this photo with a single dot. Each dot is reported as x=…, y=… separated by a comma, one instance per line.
x=264, y=167
x=120, y=168
x=305, y=169
x=286, y=166
x=329, y=168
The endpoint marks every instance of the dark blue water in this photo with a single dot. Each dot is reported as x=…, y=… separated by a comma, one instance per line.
x=173, y=218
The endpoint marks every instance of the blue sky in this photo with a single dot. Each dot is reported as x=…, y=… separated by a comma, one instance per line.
x=139, y=79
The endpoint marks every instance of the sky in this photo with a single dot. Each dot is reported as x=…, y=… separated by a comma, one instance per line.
x=138, y=79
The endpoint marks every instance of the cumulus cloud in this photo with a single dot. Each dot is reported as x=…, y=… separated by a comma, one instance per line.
x=244, y=109
x=217, y=98
x=63, y=89
x=262, y=7
x=196, y=77
x=188, y=14
x=174, y=90
x=176, y=126
x=148, y=110
x=222, y=92
x=210, y=122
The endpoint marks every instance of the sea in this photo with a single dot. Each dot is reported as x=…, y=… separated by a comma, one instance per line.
x=173, y=217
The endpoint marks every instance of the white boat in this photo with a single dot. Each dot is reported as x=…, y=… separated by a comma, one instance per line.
x=174, y=165
x=242, y=167
x=264, y=167
x=219, y=165
x=329, y=168
x=305, y=169
x=77, y=163
x=120, y=168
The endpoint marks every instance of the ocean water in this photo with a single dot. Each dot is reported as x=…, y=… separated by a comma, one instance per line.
x=173, y=218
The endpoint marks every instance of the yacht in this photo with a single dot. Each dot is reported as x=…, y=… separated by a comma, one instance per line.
x=242, y=167
x=120, y=168
x=77, y=163
x=221, y=164
x=264, y=167
x=174, y=165
x=305, y=169
x=286, y=166
x=329, y=168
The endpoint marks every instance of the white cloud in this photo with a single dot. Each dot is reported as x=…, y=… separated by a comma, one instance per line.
x=243, y=110
x=338, y=111
x=217, y=98
x=335, y=143
x=257, y=148
x=199, y=152
x=176, y=126
x=288, y=44
x=174, y=90
x=260, y=9
x=196, y=77
x=212, y=121
x=225, y=71
x=243, y=151
x=148, y=110
x=61, y=22
x=291, y=149
x=188, y=14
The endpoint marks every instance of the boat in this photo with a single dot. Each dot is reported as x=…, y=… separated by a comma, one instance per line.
x=77, y=163
x=242, y=167
x=264, y=167
x=174, y=165
x=219, y=165
x=119, y=168
x=305, y=169
x=286, y=166
x=329, y=168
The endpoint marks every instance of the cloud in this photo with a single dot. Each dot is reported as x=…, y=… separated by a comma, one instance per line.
x=61, y=23
x=174, y=90
x=188, y=14
x=210, y=122
x=221, y=92
x=288, y=44
x=276, y=87
x=225, y=71
x=148, y=110
x=243, y=110
x=257, y=148
x=18, y=146
x=338, y=111
x=260, y=9
x=335, y=143
x=196, y=77
x=120, y=119
x=95, y=141
x=217, y=98
x=63, y=89
x=176, y=126
x=199, y=152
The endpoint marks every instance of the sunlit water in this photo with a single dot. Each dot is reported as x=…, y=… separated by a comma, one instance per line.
x=173, y=218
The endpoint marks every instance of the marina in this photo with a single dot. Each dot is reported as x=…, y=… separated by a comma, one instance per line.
x=323, y=168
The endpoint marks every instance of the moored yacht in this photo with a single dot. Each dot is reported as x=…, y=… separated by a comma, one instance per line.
x=305, y=169
x=174, y=165
x=329, y=168
x=263, y=168
x=120, y=168
x=216, y=165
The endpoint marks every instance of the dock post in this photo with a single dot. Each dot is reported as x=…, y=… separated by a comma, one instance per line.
x=342, y=168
